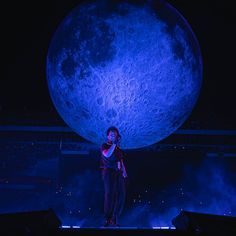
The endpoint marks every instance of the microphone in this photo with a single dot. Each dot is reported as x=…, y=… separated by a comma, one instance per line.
x=117, y=141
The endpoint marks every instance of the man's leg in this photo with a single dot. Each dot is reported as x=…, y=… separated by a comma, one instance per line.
x=108, y=180
x=120, y=197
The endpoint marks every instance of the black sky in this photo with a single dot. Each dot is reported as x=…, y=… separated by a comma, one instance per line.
x=26, y=32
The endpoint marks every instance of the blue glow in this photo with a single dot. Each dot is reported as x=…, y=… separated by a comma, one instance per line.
x=163, y=227
x=65, y=226
x=69, y=130
x=31, y=167
x=135, y=66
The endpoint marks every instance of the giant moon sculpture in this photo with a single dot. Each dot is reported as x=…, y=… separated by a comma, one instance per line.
x=136, y=66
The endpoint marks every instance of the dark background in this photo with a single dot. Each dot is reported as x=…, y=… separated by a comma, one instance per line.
x=191, y=173
x=27, y=29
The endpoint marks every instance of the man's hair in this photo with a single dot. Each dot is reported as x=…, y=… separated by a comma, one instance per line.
x=113, y=128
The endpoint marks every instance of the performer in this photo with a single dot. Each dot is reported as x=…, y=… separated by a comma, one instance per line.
x=113, y=175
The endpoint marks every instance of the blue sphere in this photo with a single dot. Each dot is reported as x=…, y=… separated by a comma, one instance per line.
x=136, y=66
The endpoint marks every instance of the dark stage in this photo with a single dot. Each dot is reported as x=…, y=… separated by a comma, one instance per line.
x=166, y=82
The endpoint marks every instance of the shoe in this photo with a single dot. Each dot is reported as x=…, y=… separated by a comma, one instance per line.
x=107, y=223
x=114, y=222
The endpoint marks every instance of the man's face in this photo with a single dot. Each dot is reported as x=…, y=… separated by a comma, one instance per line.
x=112, y=136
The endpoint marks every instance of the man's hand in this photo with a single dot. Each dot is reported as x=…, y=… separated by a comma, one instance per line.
x=117, y=141
x=125, y=175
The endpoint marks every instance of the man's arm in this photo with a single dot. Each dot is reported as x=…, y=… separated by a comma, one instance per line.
x=124, y=173
x=108, y=152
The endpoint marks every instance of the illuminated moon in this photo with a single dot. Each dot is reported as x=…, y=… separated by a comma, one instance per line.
x=134, y=66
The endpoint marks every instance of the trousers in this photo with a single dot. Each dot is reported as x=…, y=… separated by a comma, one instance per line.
x=114, y=192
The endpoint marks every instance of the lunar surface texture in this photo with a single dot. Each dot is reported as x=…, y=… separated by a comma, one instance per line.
x=136, y=66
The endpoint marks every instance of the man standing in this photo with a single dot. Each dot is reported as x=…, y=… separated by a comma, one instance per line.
x=113, y=176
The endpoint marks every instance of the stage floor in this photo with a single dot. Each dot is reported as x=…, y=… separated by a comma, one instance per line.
x=121, y=231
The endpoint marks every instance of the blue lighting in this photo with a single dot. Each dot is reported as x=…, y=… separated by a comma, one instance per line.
x=134, y=66
x=163, y=227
